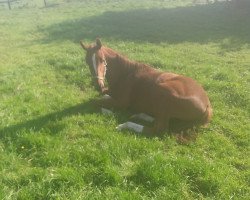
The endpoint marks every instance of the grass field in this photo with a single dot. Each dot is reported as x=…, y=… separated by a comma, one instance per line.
x=54, y=144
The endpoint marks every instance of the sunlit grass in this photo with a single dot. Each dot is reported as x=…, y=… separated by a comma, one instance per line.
x=54, y=144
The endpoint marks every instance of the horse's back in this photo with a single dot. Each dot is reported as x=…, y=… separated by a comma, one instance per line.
x=185, y=98
x=179, y=85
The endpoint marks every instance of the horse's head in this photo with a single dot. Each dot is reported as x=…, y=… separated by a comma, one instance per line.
x=96, y=62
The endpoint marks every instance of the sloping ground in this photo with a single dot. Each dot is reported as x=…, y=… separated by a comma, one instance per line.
x=54, y=144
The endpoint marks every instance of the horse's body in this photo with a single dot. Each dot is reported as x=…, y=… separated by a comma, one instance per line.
x=144, y=89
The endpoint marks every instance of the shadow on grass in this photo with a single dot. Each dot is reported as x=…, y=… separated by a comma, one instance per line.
x=49, y=122
x=200, y=24
x=40, y=122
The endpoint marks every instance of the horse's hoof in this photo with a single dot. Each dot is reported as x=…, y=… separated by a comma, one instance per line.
x=121, y=127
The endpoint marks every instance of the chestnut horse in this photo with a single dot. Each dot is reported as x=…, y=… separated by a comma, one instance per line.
x=143, y=89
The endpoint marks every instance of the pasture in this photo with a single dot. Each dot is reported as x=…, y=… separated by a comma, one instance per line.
x=54, y=144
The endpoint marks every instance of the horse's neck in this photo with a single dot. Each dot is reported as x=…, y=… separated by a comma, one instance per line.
x=117, y=66
x=118, y=62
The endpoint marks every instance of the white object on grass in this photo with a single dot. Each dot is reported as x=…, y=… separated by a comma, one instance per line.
x=131, y=126
x=107, y=111
x=144, y=117
x=106, y=96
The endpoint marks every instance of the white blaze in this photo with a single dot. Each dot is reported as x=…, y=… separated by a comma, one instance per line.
x=94, y=63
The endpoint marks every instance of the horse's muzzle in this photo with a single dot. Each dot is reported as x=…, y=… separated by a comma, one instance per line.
x=99, y=85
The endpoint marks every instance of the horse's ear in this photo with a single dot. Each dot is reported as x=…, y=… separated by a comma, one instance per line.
x=83, y=46
x=98, y=43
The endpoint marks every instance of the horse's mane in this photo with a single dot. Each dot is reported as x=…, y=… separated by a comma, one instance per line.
x=130, y=64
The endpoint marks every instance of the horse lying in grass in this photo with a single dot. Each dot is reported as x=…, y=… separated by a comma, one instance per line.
x=156, y=95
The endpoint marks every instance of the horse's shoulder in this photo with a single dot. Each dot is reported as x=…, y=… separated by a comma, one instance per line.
x=165, y=77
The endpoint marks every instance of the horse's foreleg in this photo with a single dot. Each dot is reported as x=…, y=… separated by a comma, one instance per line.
x=131, y=126
x=110, y=103
x=105, y=101
x=156, y=130
x=142, y=116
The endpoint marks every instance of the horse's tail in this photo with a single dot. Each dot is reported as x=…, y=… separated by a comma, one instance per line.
x=207, y=115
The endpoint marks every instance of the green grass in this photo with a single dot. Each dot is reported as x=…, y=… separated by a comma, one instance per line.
x=54, y=144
